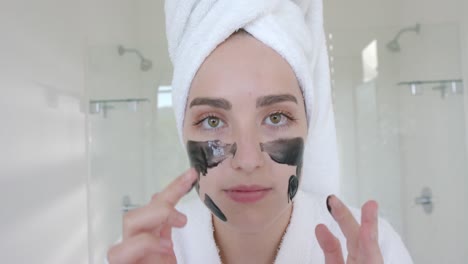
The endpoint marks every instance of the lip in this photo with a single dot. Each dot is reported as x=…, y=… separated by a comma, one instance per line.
x=247, y=193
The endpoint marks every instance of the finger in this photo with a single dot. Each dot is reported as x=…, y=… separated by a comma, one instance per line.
x=166, y=233
x=150, y=217
x=178, y=188
x=330, y=245
x=161, y=208
x=348, y=225
x=369, y=250
x=137, y=247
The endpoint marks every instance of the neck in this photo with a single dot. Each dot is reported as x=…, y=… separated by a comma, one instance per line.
x=259, y=247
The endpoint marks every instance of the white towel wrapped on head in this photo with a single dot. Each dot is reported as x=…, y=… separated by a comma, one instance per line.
x=292, y=28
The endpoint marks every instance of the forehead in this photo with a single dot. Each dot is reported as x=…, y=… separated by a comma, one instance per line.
x=244, y=67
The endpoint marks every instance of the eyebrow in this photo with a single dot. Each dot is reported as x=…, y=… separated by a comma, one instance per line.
x=214, y=102
x=273, y=99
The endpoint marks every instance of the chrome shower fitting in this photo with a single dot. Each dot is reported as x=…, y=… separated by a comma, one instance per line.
x=145, y=64
x=445, y=87
x=394, y=45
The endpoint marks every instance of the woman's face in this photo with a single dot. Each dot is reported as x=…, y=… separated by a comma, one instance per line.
x=244, y=126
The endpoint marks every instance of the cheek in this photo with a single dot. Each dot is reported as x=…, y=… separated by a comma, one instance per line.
x=208, y=183
x=280, y=174
x=209, y=193
x=214, y=181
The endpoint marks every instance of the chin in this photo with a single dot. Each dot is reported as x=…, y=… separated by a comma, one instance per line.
x=254, y=219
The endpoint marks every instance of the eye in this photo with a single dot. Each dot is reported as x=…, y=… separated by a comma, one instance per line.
x=276, y=119
x=212, y=122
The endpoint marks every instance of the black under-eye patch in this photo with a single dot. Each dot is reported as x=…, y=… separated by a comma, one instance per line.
x=208, y=154
x=287, y=151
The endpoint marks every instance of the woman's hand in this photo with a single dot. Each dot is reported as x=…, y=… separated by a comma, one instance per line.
x=147, y=230
x=361, y=240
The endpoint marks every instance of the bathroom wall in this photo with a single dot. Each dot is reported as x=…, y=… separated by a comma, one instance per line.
x=432, y=147
x=391, y=143
x=365, y=108
x=55, y=56
x=134, y=152
x=166, y=157
x=43, y=164
x=464, y=43
x=117, y=133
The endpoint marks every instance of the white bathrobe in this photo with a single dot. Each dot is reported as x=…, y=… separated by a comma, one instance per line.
x=195, y=242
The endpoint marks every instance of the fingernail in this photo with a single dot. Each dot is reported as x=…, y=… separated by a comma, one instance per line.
x=328, y=204
x=166, y=244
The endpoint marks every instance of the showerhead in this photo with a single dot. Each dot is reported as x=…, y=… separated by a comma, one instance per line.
x=145, y=64
x=394, y=45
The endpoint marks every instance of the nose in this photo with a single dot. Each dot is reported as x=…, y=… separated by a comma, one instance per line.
x=249, y=156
